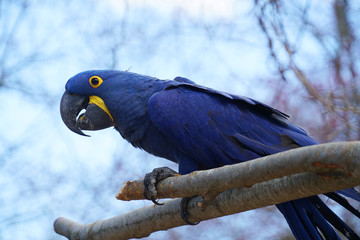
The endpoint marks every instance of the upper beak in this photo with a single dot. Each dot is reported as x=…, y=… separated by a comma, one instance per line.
x=94, y=118
x=70, y=107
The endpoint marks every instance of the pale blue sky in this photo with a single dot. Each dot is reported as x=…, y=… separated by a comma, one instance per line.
x=57, y=173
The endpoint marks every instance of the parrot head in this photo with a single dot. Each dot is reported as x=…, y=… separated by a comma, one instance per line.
x=83, y=91
x=109, y=98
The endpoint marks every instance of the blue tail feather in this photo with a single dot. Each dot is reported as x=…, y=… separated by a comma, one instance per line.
x=318, y=218
x=300, y=225
x=343, y=202
x=310, y=218
x=351, y=193
x=333, y=219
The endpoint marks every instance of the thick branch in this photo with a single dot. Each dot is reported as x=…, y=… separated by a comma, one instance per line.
x=323, y=159
x=338, y=167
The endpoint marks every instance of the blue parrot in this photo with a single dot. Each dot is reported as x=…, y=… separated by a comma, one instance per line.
x=198, y=128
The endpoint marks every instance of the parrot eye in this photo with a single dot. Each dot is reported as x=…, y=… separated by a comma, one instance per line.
x=95, y=81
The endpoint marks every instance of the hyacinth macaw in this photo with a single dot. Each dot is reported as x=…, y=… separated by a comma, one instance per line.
x=198, y=128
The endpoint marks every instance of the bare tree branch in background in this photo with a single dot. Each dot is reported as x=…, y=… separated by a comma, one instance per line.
x=335, y=93
x=28, y=47
x=318, y=60
x=14, y=57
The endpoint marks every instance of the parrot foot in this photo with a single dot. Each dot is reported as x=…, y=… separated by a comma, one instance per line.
x=184, y=212
x=152, y=178
x=150, y=192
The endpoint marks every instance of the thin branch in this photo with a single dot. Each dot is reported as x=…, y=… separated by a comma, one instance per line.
x=336, y=166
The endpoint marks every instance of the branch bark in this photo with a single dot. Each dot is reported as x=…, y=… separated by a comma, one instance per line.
x=322, y=159
x=273, y=179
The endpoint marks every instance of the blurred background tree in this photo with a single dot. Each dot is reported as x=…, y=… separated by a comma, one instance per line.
x=299, y=56
x=317, y=58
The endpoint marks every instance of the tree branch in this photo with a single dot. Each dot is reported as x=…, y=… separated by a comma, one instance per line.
x=277, y=178
x=322, y=159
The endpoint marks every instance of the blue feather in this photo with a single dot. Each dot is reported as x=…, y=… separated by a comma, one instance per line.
x=351, y=193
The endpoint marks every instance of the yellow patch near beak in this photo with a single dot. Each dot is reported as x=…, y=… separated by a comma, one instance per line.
x=100, y=103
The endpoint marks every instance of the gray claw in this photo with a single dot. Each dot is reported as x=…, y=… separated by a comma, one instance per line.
x=184, y=212
x=152, y=178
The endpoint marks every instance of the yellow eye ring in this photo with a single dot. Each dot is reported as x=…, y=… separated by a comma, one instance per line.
x=95, y=81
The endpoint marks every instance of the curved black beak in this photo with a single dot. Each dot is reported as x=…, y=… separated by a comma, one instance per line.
x=70, y=107
x=94, y=118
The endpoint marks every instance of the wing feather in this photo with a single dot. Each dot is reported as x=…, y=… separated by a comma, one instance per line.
x=216, y=130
